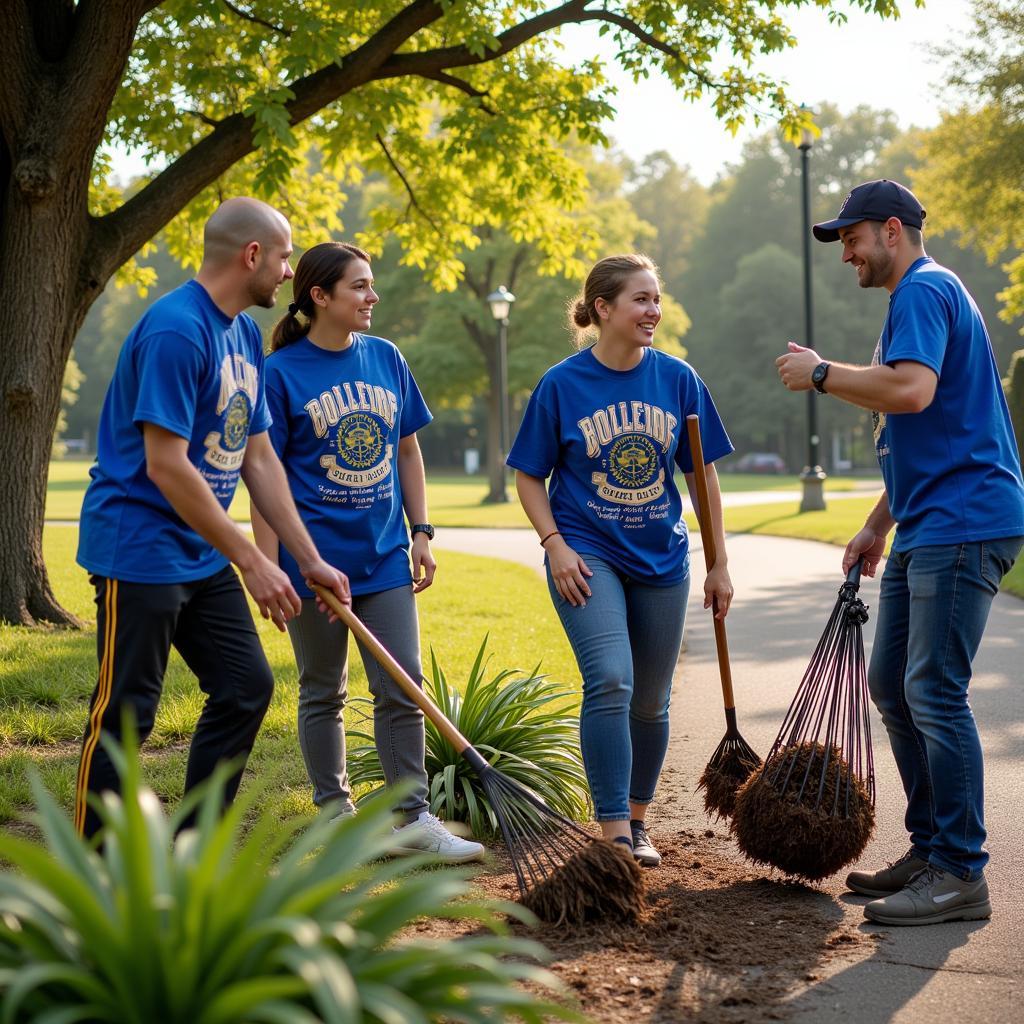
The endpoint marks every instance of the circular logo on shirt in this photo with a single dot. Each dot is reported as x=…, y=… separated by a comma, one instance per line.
x=359, y=440
x=632, y=460
x=236, y=421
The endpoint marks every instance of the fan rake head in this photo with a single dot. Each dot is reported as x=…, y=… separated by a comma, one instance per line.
x=730, y=766
x=805, y=812
x=810, y=809
x=565, y=875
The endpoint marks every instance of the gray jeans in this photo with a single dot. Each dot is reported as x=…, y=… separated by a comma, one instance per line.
x=321, y=653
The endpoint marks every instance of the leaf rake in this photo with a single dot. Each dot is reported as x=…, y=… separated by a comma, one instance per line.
x=733, y=761
x=565, y=874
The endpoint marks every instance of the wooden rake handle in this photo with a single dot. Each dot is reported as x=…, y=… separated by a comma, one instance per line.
x=707, y=536
x=393, y=669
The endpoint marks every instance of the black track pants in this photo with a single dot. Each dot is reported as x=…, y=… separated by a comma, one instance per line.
x=209, y=623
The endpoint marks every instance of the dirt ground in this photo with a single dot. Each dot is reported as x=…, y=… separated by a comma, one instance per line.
x=723, y=941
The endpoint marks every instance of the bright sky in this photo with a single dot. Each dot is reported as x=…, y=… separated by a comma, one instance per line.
x=884, y=64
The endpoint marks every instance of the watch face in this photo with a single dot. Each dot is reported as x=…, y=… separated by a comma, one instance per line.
x=818, y=374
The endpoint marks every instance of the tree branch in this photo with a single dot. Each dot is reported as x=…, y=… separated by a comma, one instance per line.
x=428, y=62
x=462, y=86
x=287, y=32
x=413, y=201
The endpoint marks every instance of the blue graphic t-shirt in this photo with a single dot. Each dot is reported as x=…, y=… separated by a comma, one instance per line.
x=610, y=440
x=951, y=472
x=338, y=418
x=193, y=370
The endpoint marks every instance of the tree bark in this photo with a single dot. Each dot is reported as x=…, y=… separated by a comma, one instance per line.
x=62, y=68
x=39, y=317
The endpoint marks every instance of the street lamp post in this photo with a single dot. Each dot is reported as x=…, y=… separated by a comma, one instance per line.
x=813, y=476
x=500, y=302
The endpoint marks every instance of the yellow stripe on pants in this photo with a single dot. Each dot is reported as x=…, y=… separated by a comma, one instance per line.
x=103, y=691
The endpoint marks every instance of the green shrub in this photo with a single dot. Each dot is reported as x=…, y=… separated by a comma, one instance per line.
x=290, y=925
x=519, y=723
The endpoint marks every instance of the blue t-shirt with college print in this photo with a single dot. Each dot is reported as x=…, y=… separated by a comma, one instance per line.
x=610, y=441
x=338, y=418
x=951, y=471
x=191, y=369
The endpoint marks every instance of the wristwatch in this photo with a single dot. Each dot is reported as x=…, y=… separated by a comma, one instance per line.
x=818, y=375
x=422, y=528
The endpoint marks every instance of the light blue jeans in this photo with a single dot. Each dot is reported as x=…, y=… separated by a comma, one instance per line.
x=626, y=640
x=932, y=609
x=321, y=653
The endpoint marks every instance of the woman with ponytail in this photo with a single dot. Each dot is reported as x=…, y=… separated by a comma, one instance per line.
x=607, y=425
x=345, y=413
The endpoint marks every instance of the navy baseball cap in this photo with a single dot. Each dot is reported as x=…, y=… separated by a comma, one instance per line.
x=874, y=200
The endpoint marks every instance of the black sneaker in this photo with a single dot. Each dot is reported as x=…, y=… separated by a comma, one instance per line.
x=643, y=849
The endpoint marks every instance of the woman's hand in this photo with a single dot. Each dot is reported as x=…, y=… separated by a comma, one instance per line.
x=569, y=572
x=423, y=564
x=718, y=591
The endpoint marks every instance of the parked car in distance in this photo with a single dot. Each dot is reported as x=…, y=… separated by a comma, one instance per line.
x=760, y=462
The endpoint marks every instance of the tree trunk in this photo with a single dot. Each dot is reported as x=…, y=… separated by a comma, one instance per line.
x=40, y=311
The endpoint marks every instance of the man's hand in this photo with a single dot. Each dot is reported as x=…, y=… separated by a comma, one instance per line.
x=867, y=545
x=327, y=576
x=796, y=366
x=423, y=564
x=271, y=590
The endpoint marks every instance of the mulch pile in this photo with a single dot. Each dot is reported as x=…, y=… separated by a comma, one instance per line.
x=721, y=942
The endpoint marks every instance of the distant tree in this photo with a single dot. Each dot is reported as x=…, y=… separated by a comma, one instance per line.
x=744, y=286
x=668, y=196
x=461, y=105
x=972, y=165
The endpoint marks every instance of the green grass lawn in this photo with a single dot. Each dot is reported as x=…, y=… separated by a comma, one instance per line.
x=46, y=677
x=454, y=500
x=835, y=525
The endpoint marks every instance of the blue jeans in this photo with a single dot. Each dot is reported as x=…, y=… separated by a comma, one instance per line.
x=626, y=640
x=932, y=609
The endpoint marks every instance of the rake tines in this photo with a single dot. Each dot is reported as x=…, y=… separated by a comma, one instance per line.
x=810, y=809
x=565, y=874
x=732, y=763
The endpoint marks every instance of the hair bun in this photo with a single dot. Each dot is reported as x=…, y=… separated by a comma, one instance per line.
x=581, y=315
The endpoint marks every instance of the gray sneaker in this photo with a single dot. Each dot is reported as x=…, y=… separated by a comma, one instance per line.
x=931, y=897
x=890, y=879
x=644, y=852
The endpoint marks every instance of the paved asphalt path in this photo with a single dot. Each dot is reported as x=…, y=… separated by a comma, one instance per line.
x=958, y=972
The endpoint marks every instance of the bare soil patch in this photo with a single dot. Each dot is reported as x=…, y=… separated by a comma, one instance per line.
x=722, y=942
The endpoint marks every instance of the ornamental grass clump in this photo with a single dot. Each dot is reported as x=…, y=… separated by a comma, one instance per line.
x=522, y=725
x=295, y=923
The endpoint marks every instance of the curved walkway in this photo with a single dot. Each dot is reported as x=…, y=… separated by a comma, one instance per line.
x=959, y=972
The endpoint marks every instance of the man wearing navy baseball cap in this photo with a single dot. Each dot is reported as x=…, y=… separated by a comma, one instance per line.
x=954, y=493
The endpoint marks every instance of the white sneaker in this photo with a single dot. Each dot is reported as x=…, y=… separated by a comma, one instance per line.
x=427, y=834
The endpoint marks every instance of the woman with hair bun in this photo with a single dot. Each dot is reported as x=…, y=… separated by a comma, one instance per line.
x=607, y=425
x=345, y=413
